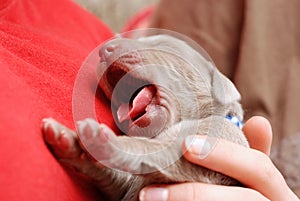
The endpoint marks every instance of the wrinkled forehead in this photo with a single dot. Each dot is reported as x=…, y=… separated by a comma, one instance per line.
x=160, y=48
x=162, y=40
x=159, y=42
x=165, y=42
x=176, y=46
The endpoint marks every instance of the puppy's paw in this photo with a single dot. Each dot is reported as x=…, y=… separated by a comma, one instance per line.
x=61, y=140
x=128, y=154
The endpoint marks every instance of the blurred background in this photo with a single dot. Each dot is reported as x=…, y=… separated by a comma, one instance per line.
x=115, y=13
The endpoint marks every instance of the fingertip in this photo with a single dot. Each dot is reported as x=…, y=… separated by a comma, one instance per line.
x=259, y=121
x=258, y=131
x=172, y=192
x=154, y=193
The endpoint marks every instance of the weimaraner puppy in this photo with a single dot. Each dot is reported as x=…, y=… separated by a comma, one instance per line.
x=162, y=90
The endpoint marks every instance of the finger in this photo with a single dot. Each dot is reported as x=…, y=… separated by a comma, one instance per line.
x=199, y=192
x=259, y=134
x=249, y=166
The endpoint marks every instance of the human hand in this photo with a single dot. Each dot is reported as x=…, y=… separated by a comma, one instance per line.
x=252, y=167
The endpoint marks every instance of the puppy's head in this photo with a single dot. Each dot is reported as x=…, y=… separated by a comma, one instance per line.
x=156, y=81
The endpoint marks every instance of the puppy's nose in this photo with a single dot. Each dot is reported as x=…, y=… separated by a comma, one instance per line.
x=107, y=51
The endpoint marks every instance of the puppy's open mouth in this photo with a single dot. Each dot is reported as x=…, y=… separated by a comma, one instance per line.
x=135, y=101
x=138, y=106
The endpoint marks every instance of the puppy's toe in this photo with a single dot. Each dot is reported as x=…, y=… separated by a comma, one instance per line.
x=108, y=149
x=60, y=139
x=98, y=140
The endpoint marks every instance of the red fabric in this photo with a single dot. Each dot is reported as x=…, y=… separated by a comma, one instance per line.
x=42, y=46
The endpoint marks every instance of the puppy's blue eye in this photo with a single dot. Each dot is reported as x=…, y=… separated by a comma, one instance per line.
x=235, y=120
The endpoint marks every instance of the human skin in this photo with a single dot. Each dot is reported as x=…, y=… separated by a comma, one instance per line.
x=252, y=167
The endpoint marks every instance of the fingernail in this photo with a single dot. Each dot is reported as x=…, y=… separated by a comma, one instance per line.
x=154, y=194
x=198, y=146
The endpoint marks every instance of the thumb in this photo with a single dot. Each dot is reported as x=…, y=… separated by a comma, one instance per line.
x=259, y=134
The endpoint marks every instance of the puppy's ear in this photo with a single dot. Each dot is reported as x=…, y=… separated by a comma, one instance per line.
x=223, y=90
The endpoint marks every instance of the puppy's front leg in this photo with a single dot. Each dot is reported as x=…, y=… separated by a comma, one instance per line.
x=158, y=159
x=136, y=155
x=65, y=145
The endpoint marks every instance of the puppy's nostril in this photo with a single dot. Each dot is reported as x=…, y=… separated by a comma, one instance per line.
x=110, y=48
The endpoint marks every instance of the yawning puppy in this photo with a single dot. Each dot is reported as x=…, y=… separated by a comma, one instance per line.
x=161, y=90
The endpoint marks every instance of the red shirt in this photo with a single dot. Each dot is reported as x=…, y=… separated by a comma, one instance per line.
x=42, y=46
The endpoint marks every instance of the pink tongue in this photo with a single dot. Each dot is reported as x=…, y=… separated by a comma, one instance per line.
x=139, y=104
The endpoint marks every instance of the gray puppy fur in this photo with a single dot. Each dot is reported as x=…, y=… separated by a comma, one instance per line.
x=190, y=97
